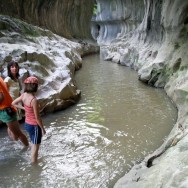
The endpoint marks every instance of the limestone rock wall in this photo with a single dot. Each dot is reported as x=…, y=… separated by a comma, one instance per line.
x=70, y=19
x=50, y=57
x=116, y=18
x=150, y=36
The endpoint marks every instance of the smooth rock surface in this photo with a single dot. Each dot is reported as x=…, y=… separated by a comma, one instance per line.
x=156, y=47
x=149, y=36
x=51, y=58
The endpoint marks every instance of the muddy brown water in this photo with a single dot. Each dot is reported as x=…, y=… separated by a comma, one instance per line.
x=117, y=122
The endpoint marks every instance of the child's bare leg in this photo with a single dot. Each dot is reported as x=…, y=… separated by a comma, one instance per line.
x=11, y=135
x=15, y=133
x=34, y=152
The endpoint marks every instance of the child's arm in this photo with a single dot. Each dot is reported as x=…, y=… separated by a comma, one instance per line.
x=37, y=115
x=17, y=104
x=7, y=81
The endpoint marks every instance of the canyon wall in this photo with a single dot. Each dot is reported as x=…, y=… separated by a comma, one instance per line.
x=42, y=53
x=70, y=19
x=150, y=36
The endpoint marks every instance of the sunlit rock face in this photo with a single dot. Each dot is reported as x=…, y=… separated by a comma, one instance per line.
x=70, y=19
x=50, y=57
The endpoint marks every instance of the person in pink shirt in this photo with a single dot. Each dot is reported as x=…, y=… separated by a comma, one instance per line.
x=33, y=122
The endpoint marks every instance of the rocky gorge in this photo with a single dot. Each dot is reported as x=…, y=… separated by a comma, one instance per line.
x=149, y=36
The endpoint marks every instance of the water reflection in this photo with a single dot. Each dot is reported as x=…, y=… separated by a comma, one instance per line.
x=116, y=123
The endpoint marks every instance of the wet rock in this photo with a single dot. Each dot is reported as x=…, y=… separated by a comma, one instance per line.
x=51, y=58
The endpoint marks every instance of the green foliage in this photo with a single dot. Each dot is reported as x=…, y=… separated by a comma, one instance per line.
x=95, y=9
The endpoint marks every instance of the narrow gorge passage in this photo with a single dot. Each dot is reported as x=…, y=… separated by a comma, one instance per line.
x=117, y=122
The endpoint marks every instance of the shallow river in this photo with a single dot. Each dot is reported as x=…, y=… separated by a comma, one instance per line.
x=117, y=122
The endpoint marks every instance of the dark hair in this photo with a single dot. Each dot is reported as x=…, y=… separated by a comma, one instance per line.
x=11, y=63
x=31, y=87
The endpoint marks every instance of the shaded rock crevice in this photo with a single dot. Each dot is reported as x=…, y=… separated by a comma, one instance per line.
x=69, y=19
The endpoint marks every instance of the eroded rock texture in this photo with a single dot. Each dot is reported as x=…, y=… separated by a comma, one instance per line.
x=116, y=18
x=50, y=57
x=66, y=18
x=53, y=59
x=151, y=36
